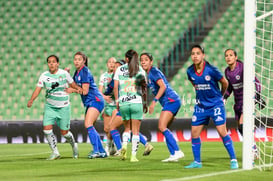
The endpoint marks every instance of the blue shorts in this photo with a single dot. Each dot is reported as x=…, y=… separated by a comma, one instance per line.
x=202, y=116
x=99, y=105
x=173, y=107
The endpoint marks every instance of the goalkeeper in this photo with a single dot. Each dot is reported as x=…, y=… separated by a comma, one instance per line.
x=234, y=74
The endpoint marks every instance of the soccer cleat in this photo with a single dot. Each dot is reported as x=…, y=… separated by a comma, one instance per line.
x=112, y=149
x=170, y=159
x=75, y=151
x=133, y=158
x=93, y=155
x=118, y=153
x=123, y=153
x=194, y=164
x=174, y=158
x=148, y=149
x=234, y=164
x=54, y=156
x=103, y=155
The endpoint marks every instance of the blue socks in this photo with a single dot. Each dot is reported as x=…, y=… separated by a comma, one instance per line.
x=95, y=140
x=229, y=146
x=170, y=141
x=116, y=138
x=142, y=139
x=196, y=149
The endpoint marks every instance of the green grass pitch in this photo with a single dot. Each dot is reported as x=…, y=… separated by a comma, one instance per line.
x=27, y=162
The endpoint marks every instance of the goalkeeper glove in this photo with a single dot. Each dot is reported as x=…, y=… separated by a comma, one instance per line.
x=261, y=103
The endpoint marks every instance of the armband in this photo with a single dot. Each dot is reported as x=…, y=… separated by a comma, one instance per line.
x=155, y=99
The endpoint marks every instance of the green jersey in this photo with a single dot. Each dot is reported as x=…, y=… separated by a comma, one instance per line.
x=105, y=79
x=55, y=85
x=129, y=88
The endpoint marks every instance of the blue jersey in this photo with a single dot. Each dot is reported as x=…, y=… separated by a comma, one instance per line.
x=208, y=93
x=109, y=88
x=169, y=95
x=84, y=76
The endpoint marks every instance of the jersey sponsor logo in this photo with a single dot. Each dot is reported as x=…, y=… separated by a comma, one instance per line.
x=237, y=86
x=237, y=77
x=192, y=78
x=207, y=78
x=128, y=98
x=202, y=87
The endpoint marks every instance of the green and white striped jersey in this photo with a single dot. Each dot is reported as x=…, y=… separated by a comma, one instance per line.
x=105, y=79
x=129, y=88
x=55, y=85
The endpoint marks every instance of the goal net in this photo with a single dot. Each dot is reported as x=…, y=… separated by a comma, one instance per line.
x=263, y=126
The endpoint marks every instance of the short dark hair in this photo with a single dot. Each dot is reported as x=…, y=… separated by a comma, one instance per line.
x=57, y=58
x=148, y=55
x=198, y=46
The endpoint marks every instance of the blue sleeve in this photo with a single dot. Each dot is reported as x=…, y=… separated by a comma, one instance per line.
x=86, y=76
x=216, y=74
x=109, y=88
x=156, y=75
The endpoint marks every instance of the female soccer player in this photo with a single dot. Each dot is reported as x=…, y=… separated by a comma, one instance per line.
x=169, y=100
x=234, y=74
x=110, y=105
x=129, y=87
x=205, y=77
x=57, y=106
x=116, y=122
x=92, y=100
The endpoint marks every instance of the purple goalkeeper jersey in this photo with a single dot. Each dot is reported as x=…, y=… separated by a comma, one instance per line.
x=235, y=79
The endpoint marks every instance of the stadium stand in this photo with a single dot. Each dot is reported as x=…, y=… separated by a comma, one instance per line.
x=31, y=30
x=223, y=35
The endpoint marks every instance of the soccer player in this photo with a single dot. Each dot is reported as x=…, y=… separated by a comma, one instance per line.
x=129, y=88
x=234, y=74
x=205, y=77
x=57, y=105
x=169, y=100
x=116, y=122
x=110, y=105
x=92, y=100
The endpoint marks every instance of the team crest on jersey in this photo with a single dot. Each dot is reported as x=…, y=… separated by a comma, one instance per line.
x=194, y=118
x=61, y=78
x=207, y=77
x=238, y=77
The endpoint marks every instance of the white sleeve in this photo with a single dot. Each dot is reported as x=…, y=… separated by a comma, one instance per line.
x=68, y=77
x=116, y=74
x=40, y=81
x=101, y=79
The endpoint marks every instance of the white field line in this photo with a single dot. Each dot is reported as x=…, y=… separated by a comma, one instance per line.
x=204, y=175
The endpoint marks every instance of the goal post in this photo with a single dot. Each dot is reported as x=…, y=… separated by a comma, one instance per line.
x=249, y=77
x=258, y=58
